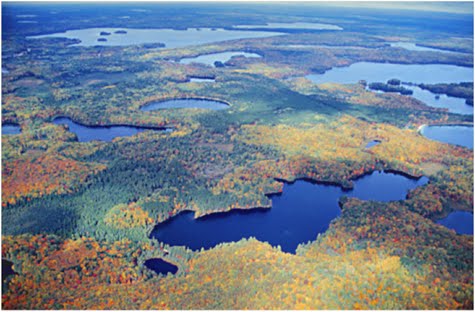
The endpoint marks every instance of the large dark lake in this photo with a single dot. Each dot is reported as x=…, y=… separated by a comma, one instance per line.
x=298, y=215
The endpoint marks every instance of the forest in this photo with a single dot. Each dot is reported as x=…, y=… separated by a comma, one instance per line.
x=77, y=216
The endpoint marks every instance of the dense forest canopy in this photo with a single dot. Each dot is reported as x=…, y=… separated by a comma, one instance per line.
x=77, y=214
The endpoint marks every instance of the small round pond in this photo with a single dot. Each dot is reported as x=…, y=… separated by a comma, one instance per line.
x=298, y=215
x=185, y=103
x=160, y=266
x=459, y=221
x=457, y=135
x=101, y=133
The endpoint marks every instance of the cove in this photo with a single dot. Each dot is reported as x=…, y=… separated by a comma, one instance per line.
x=302, y=211
x=457, y=135
x=160, y=266
x=459, y=221
x=223, y=57
x=101, y=133
x=185, y=103
x=8, y=129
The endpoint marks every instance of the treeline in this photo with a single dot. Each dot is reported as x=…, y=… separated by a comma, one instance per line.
x=462, y=90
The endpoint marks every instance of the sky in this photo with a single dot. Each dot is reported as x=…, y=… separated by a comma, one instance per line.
x=436, y=6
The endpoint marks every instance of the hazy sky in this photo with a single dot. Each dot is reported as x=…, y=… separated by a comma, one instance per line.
x=438, y=6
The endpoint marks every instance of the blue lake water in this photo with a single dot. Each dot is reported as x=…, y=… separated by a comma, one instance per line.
x=372, y=143
x=170, y=37
x=458, y=135
x=101, y=133
x=427, y=74
x=195, y=79
x=455, y=105
x=413, y=47
x=382, y=72
x=8, y=129
x=298, y=215
x=297, y=25
x=223, y=57
x=459, y=221
x=160, y=266
x=7, y=271
x=185, y=103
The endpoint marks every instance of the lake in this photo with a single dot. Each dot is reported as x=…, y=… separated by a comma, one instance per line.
x=8, y=129
x=195, y=79
x=453, y=104
x=382, y=72
x=160, y=266
x=185, y=103
x=427, y=74
x=223, y=57
x=372, y=143
x=170, y=37
x=458, y=135
x=298, y=215
x=298, y=25
x=101, y=133
x=459, y=221
x=414, y=47
x=7, y=271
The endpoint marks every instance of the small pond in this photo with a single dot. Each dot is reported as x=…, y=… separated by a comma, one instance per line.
x=458, y=135
x=101, y=133
x=7, y=271
x=223, y=57
x=298, y=215
x=459, y=221
x=8, y=129
x=196, y=79
x=160, y=266
x=372, y=143
x=185, y=103
x=170, y=37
